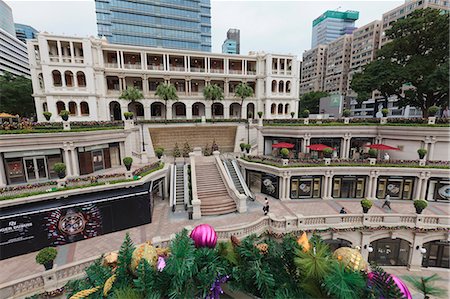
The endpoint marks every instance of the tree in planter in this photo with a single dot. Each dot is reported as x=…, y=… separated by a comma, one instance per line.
x=426, y=286
x=243, y=91
x=284, y=152
x=248, y=147
x=385, y=112
x=166, y=92
x=305, y=113
x=260, y=114
x=292, y=114
x=366, y=204
x=159, y=152
x=47, y=115
x=60, y=169
x=420, y=205
x=433, y=110
x=242, y=146
x=213, y=93
x=207, y=150
x=176, y=151
x=128, y=115
x=422, y=152
x=215, y=146
x=327, y=152
x=373, y=153
x=186, y=150
x=64, y=115
x=346, y=113
x=46, y=256
x=128, y=161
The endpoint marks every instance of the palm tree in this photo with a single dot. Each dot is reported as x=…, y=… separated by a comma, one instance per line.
x=213, y=93
x=166, y=92
x=426, y=286
x=131, y=94
x=243, y=91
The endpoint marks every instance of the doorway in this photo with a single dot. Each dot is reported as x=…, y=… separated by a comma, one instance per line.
x=35, y=169
x=97, y=160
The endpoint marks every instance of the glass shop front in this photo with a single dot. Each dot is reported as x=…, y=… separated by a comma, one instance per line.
x=395, y=187
x=349, y=186
x=437, y=254
x=438, y=189
x=390, y=252
x=263, y=182
x=303, y=187
x=98, y=157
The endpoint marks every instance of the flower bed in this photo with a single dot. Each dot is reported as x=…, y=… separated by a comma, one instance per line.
x=357, y=121
x=25, y=126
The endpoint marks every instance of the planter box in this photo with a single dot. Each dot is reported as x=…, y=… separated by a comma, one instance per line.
x=372, y=161
x=128, y=175
x=66, y=125
x=306, y=121
x=432, y=120
x=260, y=122
x=128, y=124
x=346, y=120
x=383, y=120
x=285, y=162
x=61, y=182
x=422, y=162
x=327, y=161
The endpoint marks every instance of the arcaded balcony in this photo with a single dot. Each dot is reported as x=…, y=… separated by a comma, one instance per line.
x=232, y=87
x=132, y=61
x=274, y=65
x=78, y=52
x=155, y=62
x=251, y=67
x=65, y=52
x=180, y=85
x=197, y=64
x=110, y=59
x=176, y=63
x=135, y=82
x=216, y=66
x=53, y=52
x=197, y=87
x=235, y=67
x=112, y=84
x=221, y=84
x=153, y=83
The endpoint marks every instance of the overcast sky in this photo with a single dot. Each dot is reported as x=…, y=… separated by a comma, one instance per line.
x=271, y=26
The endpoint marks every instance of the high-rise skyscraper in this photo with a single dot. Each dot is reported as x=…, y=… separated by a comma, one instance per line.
x=6, y=18
x=332, y=25
x=172, y=24
x=232, y=45
x=24, y=32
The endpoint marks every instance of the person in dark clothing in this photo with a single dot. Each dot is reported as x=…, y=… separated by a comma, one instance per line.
x=343, y=211
x=266, y=207
x=387, y=202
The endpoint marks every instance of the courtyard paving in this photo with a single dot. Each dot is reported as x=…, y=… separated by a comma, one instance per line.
x=165, y=222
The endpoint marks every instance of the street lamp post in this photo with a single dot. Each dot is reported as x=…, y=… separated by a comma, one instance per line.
x=142, y=132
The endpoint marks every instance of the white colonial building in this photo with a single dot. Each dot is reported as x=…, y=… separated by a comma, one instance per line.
x=86, y=77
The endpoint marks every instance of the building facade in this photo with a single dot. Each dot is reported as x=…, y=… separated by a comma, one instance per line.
x=229, y=46
x=337, y=65
x=86, y=77
x=169, y=24
x=6, y=18
x=24, y=32
x=232, y=45
x=13, y=55
x=331, y=25
x=313, y=69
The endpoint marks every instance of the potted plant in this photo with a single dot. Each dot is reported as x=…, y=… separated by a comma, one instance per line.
x=128, y=115
x=305, y=113
x=242, y=146
x=366, y=204
x=46, y=256
x=346, y=113
x=385, y=112
x=284, y=152
x=248, y=147
x=422, y=152
x=292, y=114
x=327, y=152
x=60, y=169
x=260, y=114
x=64, y=115
x=432, y=111
x=127, y=161
x=373, y=153
x=420, y=205
x=47, y=115
x=159, y=152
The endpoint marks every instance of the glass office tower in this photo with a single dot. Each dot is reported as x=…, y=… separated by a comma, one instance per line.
x=332, y=25
x=176, y=24
x=24, y=32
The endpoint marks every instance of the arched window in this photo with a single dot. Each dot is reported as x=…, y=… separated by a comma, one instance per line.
x=286, y=109
x=57, y=81
x=41, y=80
x=84, y=108
x=60, y=106
x=273, y=109
x=288, y=86
x=81, y=79
x=44, y=107
x=68, y=76
x=274, y=86
x=281, y=87
x=280, y=108
x=73, y=108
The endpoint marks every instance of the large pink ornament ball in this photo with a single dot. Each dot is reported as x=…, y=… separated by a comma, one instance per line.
x=400, y=284
x=204, y=236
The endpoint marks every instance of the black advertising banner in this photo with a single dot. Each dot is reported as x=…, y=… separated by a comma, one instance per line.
x=21, y=233
x=269, y=185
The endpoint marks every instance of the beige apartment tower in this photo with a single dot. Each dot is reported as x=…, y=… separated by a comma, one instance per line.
x=313, y=69
x=337, y=65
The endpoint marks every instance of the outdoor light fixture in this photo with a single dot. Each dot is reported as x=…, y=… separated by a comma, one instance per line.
x=369, y=248
x=421, y=249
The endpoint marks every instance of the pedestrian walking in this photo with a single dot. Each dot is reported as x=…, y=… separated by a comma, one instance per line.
x=387, y=202
x=343, y=211
x=266, y=207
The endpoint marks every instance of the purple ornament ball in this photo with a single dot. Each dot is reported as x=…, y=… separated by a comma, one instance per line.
x=400, y=284
x=204, y=235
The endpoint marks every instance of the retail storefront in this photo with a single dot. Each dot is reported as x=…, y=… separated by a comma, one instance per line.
x=31, y=166
x=98, y=157
x=269, y=141
x=390, y=252
x=306, y=187
x=437, y=254
x=349, y=186
x=439, y=189
x=263, y=182
x=358, y=147
x=395, y=187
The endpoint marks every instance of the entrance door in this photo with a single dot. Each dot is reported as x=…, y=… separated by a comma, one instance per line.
x=348, y=188
x=97, y=160
x=115, y=156
x=30, y=169
x=36, y=168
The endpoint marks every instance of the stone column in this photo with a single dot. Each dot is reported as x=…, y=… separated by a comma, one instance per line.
x=67, y=160
x=145, y=88
x=169, y=110
x=2, y=173
x=343, y=147
x=226, y=111
x=267, y=114
x=147, y=110
x=226, y=88
x=189, y=111
x=373, y=188
x=330, y=186
x=324, y=186
x=423, y=194
x=365, y=241
x=431, y=152
x=75, y=164
x=418, y=188
x=306, y=142
x=369, y=186
x=416, y=257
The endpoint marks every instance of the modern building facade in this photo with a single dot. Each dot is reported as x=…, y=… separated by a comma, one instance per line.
x=313, y=69
x=229, y=46
x=87, y=75
x=331, y=25
x=337, y=65
x=232, y=45
x=168, y=24
x=24, y=32
x=6, y=18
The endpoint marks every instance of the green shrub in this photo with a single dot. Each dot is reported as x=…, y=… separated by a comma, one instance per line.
x=64, y=114
x=260, y=114
x=420, y=204
x=159, y=152
x=366, y=203
x=284, y=152
x=422, y=152
x=59, y=167
x=346, y=113
x=292, y=114
x=128, y=115
x=327, y=152
x=305, y=113
x=47, y=115
x=127, y=161
x=433, y=110
x=46, y=255
x=373, y=153
x=242, y=146
x=385, y=111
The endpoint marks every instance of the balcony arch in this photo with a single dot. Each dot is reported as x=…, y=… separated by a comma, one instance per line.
x=158, y=110
x=57, y=80
x=280, y=108
x=217, y=110
x=41, y=81
x=72, y=108
x=81, y=79
x=137, y=108
x=84, y=108
x=286, y=109
x=274, y=86
x=44, y=107
x=273, y=108
x=198, y=109
x=288, y=86
x=334, y=244
x=179, y=110
x=251, y=109
x=60, y=105
x=115, y=111
x=235, y=110
x=68, y=77
x=281, y=87
x=390, y=252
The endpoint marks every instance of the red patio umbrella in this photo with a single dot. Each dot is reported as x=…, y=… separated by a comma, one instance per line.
x=383, y=147
x=319, y=147
x=283, y=145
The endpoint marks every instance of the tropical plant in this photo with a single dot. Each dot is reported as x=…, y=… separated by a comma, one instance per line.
x=420, y=205
x=260, y=114
x=176, y=151
x=385, y=112
x=47, y=115
x=128, y=115
x=60, y=169
x=248, y=147
x=373, y=153
x=327, y=152
x=131, y=94
x=159, y=152
x=64, y=115
x=207, y=150
x=381, y=285
x=16, y=95
x=186, y=150
x=310, y=101
x=243, y=91
x=127, y=161
x=433, y=110
x=46, y=255
x=343, y=283
x=213, y=93
x=284, y=152
x=426, y=286
x=242, y=146
x=166, y=92
x=346, y=113
x=305, y=113
x=422, y=152
x=366, y=203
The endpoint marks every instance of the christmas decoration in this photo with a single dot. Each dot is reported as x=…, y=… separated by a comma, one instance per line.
x=263, y=247
x=373, y=276
x=163, y=251
x=145, y=251
x=108, y=285
x=235, y=241
x=216, y=288
x=161, y=264
x=204, y=236
x=85, y=293
x=350, y=258
x=110, y=259
x=304, y=242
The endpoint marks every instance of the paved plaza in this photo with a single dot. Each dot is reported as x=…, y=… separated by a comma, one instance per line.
x=165, y=222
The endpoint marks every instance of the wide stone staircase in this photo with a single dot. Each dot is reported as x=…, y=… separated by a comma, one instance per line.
x=211, y=190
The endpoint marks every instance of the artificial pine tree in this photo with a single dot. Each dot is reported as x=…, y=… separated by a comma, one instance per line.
x=343, y=283
x=123, y=272
x=176, y=151
x=186, y=150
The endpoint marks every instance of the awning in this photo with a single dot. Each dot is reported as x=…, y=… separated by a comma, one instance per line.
x=383, y=147
x=318, y=147
x=283, y=145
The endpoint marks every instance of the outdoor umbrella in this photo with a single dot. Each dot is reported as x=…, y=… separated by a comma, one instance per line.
x=383, y=147
x=283, y=145
x=318, y=147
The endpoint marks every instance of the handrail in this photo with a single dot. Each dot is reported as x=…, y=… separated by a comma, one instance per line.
x=186, y=187
x=242, y=180
x=196, y=202
x=173, y=187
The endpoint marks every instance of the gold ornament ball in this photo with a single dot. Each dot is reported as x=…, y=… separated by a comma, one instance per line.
x=350, y=258
x=145, y=251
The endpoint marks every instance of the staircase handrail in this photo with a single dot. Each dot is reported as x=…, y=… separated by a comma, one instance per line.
x=242, y=180
x=173, y=185
x=196, y=202
x=186, y=186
